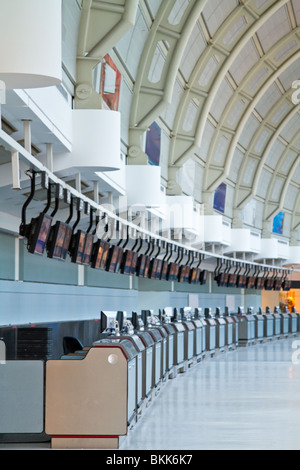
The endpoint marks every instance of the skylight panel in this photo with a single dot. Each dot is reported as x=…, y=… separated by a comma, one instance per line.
x=274, y=29
x=216, y=12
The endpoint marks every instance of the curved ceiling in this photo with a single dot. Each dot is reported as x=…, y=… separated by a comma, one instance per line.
x=217, y=75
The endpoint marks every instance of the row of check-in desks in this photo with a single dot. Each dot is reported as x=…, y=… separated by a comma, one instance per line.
x=267, y=325
x=94, y=395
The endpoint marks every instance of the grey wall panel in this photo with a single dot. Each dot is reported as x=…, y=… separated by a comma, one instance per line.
x=35, y=303
x=22, y=391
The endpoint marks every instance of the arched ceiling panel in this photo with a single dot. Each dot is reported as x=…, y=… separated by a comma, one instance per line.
x=218, y=76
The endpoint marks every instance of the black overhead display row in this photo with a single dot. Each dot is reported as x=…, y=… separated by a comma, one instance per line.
x=61, y=240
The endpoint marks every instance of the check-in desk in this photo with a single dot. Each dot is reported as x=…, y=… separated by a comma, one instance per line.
x=148, y=362
x=164, y=335
x=89, y=401
x=259, y=326
x=171, y=333
x=211, y=332
x=179, y=345
x=157, y=356
x=199, y=316
x=229, y=333
x=293, y=323
x=235, y=329
x=268, y=323
x=246, y=329
x=204, y=328
x=111, y=331
x=141, y=351
x=220, y=331
x=294, y=311
x=189, y=340
x=285, y=324
x=151, y=322
x=198, y=349
x=277, y=323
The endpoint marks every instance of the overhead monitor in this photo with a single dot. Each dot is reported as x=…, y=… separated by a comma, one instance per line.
x=194, y=276
x=126, y=263
x=59, y=241
x=203, y=277
x=241, y=281
x=99, y=254
x=184, y=272
x=114, y=259
x=173, y=272
x=37, y=233
x=269, y=284
x=250, y=282
x=164, y=270
x=259, y=283
x=232, y=278
x=141, y=265
x=81, y=247
x=87, y=251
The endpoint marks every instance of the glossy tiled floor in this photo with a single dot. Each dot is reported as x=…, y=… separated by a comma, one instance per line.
x=244, y=399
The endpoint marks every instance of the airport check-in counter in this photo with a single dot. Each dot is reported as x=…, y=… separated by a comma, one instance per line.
x=200, y=318
x=140, y=349
x=269, y=323
x=221, y=330
x=190, y=330
x=285, y=322
x=293, y=323
x=298, y=318
x=164, y=336
x=171, y=333
x=179, y=343
x=235, y=328
x=148, y=361
x=157, y=356
x=277, y=322
x=151, y=322
x=229, y=330
x=198, y=350
x=259, y=326
x=246, y=326
x=110, y=330
x=211, y=330
x=89, y=401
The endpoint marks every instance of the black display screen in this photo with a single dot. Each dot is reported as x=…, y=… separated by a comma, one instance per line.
x=141, y=265
x=241, y=281
x=173, y=272
x=59, y=241
x=203, y=277
x=38, y=233
x=164, y=270
x=99, y=249
x=194, y=276
x=286, y=285
x=250, y=283
x=184, y=273
x=87, y=251
x=232, y=278
x=127, y=262
x=114, y=260
x=259, y=283
x=277, y=284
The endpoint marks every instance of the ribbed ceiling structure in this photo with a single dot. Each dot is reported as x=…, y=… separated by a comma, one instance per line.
x=219, y=77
